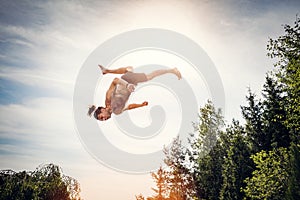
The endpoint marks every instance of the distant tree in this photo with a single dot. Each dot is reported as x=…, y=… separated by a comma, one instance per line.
x=17, y=185
x=47, y=182
x=269, y=180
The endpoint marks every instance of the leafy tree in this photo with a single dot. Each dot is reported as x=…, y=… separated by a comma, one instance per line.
x=286, y=49
x=16, y=185
x=174, y=182
x=269, y=180
x=237, y=164
x=46, y=182
x=207, y=153
x=160, y=178
x=209, y=129
x=180, y=180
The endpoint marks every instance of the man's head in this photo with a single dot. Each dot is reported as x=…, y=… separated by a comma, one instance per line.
x=102, y=114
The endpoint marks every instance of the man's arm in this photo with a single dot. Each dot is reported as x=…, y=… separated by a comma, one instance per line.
x=136, y=105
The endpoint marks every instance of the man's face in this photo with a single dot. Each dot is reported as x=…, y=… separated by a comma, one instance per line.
x=104, y=114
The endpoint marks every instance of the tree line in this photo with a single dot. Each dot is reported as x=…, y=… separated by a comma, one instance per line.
x=47, y=182
x=259, y=159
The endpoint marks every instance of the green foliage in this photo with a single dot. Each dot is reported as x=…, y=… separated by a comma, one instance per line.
x=209, y=129
x=208, y=153
x=269, y=180
x=274, y=115
x=287, y=49
x=237, y=164
x=253, y=114
x=46, y=182
x=293, y=191
x=208, y=174
x=265, y=119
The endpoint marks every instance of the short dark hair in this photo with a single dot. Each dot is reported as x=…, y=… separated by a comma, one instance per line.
x=97, y=112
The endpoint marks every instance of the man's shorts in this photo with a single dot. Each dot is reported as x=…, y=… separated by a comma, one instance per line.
x=134, y=78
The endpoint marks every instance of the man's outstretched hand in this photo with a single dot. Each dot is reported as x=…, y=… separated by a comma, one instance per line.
x=145, y=103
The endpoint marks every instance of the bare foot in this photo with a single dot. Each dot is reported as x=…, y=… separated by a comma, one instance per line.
x=103, y=69
x=177, y=73
x=129, y=69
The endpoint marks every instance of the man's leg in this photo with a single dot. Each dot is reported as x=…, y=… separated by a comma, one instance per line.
x=121, y=70
x=135, y=78
x=162, y=72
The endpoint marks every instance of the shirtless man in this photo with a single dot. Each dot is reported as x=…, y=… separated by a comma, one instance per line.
x=120, y=89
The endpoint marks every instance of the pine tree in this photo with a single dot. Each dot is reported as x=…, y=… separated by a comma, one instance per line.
x=237, y=164
x=274, y=115
x=253, y=114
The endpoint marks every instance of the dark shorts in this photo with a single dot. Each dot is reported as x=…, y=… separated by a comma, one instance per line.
x=134, y=78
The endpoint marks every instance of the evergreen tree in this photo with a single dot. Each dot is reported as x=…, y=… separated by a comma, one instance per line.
x=265, y=119
x=253, y=114
x=237, y=164
x=274, y=116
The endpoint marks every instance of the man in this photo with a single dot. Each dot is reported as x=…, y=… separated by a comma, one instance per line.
x=120, y=89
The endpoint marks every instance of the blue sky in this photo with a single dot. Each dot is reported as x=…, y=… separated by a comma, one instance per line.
x=43, y=45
